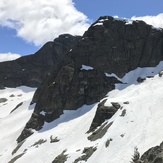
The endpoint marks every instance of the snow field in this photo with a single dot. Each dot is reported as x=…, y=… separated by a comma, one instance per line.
x=139, y=127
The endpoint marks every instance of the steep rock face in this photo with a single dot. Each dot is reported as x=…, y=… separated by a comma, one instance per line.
x=32, y=69
x=153, y=155
x=115, y=46
x=109, y=46
x=103, y=112
x=68, y=90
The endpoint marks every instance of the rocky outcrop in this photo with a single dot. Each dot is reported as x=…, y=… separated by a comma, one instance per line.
x=87, y=153
x=61, y=158
x=2, y=100
x=115, y=46
x=109, y=46
x=103, y=113
x=100, y=132
x=153, y=155
x=69, y=90
x=32, y=69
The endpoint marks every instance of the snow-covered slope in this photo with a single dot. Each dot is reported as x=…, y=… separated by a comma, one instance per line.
x=136, y=124
x=15, y=111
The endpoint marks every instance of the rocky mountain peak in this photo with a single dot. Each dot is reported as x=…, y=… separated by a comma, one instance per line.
x=124, y=45
x=109, y=46
x=32, y=69
x=73, y=106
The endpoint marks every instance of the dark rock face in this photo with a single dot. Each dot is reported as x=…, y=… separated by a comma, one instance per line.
x=153, y=155
x=87, y=153
x=103, y=112
x=100, y=132
x=32, y=69
x=113, y=47
x=69, y=90
x=140, y=80
x=117, y=47
x=2, y=100
x=61, y=158
x=73, y=88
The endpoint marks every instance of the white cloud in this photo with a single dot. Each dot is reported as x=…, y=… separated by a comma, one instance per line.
x=156, y=21
x=8, y=56
x=39, y=21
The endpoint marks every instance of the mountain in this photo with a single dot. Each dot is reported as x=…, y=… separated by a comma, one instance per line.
x=32, y=69
x=98, y=98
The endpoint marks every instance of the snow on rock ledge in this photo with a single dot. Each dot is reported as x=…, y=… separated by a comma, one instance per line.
x=84, y=67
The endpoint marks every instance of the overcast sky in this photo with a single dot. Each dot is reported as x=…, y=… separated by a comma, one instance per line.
x=25, y=25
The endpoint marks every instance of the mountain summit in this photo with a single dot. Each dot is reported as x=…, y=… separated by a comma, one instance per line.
x=92, y=92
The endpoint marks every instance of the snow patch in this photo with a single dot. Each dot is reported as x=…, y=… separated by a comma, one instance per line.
x=112, y=75
x=99, y=23
x=43, y=113
x=84, y=67
x=128, y=21
x=132, y=76
x=11, y=125
x=157, y=28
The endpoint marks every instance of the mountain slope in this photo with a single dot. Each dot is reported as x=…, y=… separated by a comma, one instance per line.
x=97, y=102
x=32, y=69
x=109, y=46
x=67, y=135
x=14, y=113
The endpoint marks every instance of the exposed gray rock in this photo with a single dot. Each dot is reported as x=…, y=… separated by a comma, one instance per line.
x=16, y=158
x=39, y=142
x=123, y=113
x=116, y=105
x=17, y=147
x=136, y=156
x=99, y=133
x=140, y=80
x=61, y=158
x=16, y=107
x=88, y=151
x=153, y=155
x=2, y=87
x=12, y=95
x=24, y=134
x=126, y=102
x=68, y=91
x=108, y=142
x=53, y=140
x=2, y=100
x=160, y=73
x=19, y=95
x=31, y=70
x=102, y=113
x=113, y=47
